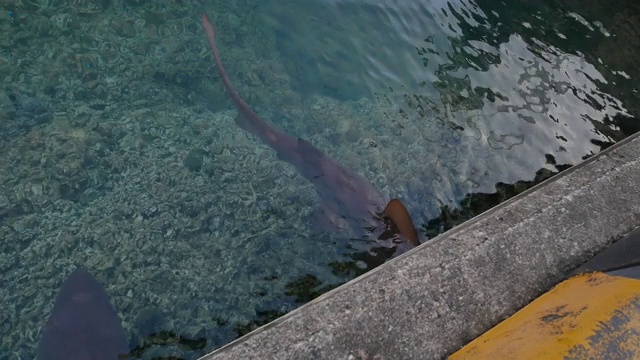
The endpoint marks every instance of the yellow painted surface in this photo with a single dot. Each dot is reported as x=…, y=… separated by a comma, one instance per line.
x=590, y=316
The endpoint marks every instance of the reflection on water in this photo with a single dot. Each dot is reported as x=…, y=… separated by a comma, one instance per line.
x=512, y=97
x=120, y=153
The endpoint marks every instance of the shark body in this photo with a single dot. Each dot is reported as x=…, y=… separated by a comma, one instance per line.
x=346, y=196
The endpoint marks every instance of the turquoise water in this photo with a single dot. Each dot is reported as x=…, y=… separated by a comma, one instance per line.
x=120, y=153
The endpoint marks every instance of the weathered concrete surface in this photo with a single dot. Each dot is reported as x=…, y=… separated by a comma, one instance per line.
x=432, y=300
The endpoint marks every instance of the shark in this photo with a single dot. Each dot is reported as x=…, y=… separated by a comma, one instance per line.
x=83, y=324
x=346, y=197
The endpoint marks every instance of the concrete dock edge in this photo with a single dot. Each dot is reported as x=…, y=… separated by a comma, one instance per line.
x=434, y=299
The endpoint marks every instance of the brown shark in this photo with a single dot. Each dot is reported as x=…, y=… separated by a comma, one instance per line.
x=83, y=324
x=345, y=195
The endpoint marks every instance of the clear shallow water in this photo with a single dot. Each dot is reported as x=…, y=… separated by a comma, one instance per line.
x=120, y=153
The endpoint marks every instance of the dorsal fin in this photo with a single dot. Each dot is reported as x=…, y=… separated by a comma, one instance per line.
x=400, y=217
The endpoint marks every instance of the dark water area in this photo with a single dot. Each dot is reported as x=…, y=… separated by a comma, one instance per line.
x=120, y=153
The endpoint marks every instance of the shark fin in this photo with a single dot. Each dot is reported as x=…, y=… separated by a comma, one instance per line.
x=398, y=214
x=83, y=324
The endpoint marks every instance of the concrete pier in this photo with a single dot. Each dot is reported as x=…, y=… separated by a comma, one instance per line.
x=434, y=299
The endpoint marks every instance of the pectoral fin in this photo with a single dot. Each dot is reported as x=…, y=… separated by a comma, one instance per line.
x=398, y=214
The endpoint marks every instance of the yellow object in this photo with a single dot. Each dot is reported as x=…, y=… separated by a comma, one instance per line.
x=589, y=316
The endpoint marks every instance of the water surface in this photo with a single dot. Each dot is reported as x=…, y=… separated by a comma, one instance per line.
x=119, y=151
